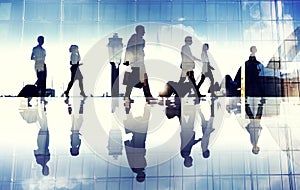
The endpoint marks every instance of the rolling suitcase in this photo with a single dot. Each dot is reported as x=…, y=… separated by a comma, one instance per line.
x=29, y=91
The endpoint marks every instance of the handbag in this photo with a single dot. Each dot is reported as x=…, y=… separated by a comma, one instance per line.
x=126, y=78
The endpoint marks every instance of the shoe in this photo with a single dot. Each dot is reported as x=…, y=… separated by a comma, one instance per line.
x=148, y=99
x=66, y=94
x=127, y=99
x=83, y=94
x=44, y=101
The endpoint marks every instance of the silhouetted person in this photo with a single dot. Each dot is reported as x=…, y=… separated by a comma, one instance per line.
x=38, y=55
x=253, y=80
x=75, y=71
x=207, y=129
x=42, y=154
x=254, y=128
x=135, y=148
x=77, y=120
x=187, y=134
x=206, y=69
x=188, y=64
x=186, y=116
x=135, y=57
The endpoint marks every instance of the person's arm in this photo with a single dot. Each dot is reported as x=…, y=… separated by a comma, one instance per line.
x=32, y=55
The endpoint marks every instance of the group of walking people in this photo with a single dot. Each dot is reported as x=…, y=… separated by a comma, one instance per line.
x=39, y=54
x=134, y=57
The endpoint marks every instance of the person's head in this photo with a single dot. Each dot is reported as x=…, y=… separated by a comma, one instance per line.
x=188, y=161
x=73, y=49
x=140, y=30
x=45, y=170
x=40, y=40
x=253, y=49
x=140, y=177
x=255, y=149
x=206, y=154
x=74, y=151
x=205, y=47
x=188, y=40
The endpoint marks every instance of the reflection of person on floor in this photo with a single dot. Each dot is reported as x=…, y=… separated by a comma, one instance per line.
x=77, y=120
x=42, y=154
x=207, y=129
x=187, y=134
x=254, y=128
x=38, y=55
x=253, y=72
x=135, y=148
x=188, y=64
x=206, y=69
x=75, y=71
x=186, y=116
x=135, y=57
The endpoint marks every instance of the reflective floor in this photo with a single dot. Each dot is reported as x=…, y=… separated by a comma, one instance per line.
x=106, y=143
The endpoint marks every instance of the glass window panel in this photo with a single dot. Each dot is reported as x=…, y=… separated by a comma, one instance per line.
x=211, y=11
x=88, y=166
x=143, y=12
x=200, y=11
x=188, y=11
x=177, y=11
x=22, y=168
x=234, y=12
x=87, y=185
x=226, y=182
x=166, y=11
x=122, y=11
x=62, y=167
x=51, y=31
x=152, y=171
x=107, y=12
x=42, y=11
x=137, y=185
x=202, y=182
x=287, y=8
x=234, y=31
x=155, y=12
x=6, y=169
x=163, y=182
x=80, y=12
x=266, y=13
x=296, y=7
x=152, y=183
x=164, y=169
x=238, y=182
x=276, y=182
x=5, y=185
x=251, y=30
x=221, y=11
x=263, y=182
x=113, y=170
x=5, y=11
x=251, y=10
x=16, y=11
x=126, y=184
x=76, y=168
x=189, y=183
x=100, y=185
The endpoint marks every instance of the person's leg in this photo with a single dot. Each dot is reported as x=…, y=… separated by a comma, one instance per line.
x=73, y=73
x=41, y=83
x=193, y=81
x=146, y=89
x=81, y=88
x=201, y=81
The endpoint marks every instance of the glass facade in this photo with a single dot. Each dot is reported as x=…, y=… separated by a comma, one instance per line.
x=94, y=143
